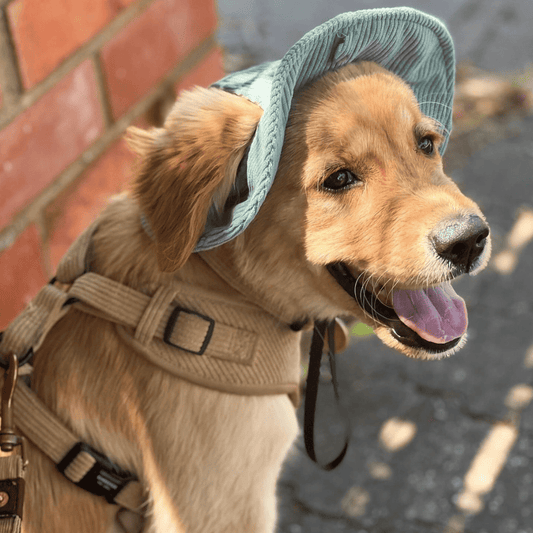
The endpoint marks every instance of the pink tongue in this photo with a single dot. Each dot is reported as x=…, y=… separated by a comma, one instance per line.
x=438, y=314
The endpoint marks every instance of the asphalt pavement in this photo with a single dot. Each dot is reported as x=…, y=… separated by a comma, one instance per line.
x=441, y=446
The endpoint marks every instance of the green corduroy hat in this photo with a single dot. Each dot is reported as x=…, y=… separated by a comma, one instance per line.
x=414, y=46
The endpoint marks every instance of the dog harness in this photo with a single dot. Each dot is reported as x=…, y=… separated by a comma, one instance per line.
x=195, y=334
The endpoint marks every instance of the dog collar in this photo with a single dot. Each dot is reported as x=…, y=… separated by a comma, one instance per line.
x=413, y=45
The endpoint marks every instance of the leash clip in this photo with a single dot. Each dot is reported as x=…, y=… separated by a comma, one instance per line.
x=8, y=438
x=13, y=465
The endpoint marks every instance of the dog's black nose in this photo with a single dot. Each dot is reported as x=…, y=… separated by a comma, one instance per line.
x=461, y=240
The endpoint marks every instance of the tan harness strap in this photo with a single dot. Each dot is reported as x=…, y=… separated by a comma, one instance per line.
x=119, y=302
x=254, y=355
x=153, y=314
x=41, y=426
x=30, y=328
x=150, y=315
x=11, y=525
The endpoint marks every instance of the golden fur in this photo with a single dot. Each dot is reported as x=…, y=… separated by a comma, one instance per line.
x=210, y=460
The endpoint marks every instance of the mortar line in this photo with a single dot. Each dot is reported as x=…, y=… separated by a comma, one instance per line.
x=31, y=213
x=8, y=114
x=103, y=93
x=9, y=67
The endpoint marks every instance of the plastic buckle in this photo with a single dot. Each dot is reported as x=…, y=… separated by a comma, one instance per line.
x=172, y=322
x=105, y=478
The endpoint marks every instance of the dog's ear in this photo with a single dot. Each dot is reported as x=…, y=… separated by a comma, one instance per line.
x=188, y=165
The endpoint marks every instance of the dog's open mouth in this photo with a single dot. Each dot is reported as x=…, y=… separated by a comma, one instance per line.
x=433, y=319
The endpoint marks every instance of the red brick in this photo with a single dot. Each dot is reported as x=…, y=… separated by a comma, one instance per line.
x=78, y=206
x=137, y=57
x=46, y=138
x=207, y=72
x=47, y=32
x=21, y=275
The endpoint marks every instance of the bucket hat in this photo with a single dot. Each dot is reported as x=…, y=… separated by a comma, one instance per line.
x=409, y=43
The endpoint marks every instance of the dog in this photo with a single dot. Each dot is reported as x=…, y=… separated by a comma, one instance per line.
x=360, y=198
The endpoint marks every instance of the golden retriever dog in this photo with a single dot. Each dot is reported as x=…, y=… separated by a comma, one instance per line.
x=360, y=203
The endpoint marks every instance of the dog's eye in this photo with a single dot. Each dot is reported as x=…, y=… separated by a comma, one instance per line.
x=425, y=144
x=339, y=180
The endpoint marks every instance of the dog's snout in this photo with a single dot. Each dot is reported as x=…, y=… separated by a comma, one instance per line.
x=461, y=240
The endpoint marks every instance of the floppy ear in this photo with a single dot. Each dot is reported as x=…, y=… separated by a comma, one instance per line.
x=188, y=165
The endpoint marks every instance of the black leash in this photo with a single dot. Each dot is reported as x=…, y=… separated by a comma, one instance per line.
x=313, y=375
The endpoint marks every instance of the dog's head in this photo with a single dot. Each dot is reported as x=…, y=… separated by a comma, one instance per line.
x=361, y=219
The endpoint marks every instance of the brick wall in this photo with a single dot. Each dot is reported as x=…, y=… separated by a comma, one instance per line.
x=73, y=75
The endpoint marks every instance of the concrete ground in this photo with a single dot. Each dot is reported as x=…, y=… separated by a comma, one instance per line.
x=436, y=446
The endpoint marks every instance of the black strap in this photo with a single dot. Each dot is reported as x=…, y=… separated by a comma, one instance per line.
x=313, y=375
